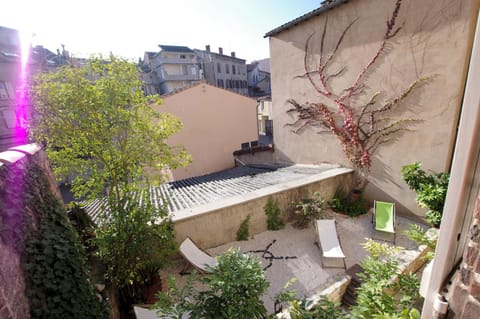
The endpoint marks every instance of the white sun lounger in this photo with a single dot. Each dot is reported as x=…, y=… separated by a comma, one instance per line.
x=147, y=313
x=144, y=313
x=197, y=257
x=328, y=241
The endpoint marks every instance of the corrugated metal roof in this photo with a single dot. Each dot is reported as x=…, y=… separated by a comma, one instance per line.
x=210, y=188
x=326, y=5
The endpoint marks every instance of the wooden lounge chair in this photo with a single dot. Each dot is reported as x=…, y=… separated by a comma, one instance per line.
x=384, y=218
x=329, y=242
x=197, y=257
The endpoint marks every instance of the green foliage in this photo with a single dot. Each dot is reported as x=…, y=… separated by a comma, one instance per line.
x=384, y=292
x=100, y=130
x=431, y=190
x=422, y=237
x=243, y=231
x=343, y=203
x=99, y=127
x=176, y=302
x=57, y=280
x=323, y=309
x=274, y=222
x=308, y=210
x=138, y=243
x=234, y=291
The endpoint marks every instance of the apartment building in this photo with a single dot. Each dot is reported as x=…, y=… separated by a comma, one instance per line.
x=10, y=64
x=258, y=75
x=224, y=71
x=173, y=68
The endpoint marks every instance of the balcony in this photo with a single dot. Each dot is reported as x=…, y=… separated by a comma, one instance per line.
x=177, y=61
x=180, y=77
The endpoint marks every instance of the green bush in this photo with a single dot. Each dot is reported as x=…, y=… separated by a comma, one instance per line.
x=343, y=203
x=380, y=295
x=243, y=231
x=308, y=210
x=431, y=190
x=233, y=291
x=323, y=309
x=274, y=222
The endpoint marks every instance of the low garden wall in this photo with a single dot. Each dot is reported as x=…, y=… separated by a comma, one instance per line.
x=215, y=224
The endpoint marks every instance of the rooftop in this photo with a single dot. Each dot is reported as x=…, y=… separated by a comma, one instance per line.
x=175, y=48
x=325, y=6
x=191, y=193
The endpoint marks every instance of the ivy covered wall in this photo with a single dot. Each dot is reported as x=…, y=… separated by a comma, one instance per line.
x=43, y=273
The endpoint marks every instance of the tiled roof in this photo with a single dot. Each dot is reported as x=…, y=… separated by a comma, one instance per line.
x=175, y=48
x=325, y=6
x=196, y=191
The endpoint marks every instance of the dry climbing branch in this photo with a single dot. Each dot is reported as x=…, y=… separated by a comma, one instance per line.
x=358, y=126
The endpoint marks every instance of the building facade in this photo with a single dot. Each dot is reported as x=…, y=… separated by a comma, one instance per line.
x=215, y=122
x=10, y=76
x=356, y=38
x=224, y=71
x=258, y=75
x=173, y=68
x=265, y=122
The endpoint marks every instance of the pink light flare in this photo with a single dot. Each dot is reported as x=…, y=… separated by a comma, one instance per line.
x=22, y=100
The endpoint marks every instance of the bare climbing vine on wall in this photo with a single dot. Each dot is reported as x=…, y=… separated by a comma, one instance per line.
x=360, y=126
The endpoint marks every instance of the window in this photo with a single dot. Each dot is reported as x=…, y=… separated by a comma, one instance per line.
x=233, y=69
x=237, y=85
x=219, y=67
x=220, y=83
x=4, y=92
x=227, y=68
x=229, y=84
x=183, y=56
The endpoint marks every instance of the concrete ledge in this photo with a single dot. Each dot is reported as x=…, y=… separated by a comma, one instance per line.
x=214, y=224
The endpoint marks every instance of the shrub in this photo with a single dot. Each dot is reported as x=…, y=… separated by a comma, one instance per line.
x=274, y=222
x=234, y=291
x=309, y=209
x=422, y=237
x=343, y=203
x=243, y=231
x=431, y=190
x=323, y=309
x=384, y=292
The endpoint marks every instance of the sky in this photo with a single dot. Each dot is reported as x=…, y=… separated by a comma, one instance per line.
x=128, y=28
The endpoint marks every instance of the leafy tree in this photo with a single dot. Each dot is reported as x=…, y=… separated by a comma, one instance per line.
x=234, y=291
x=99, y=128
x=101, y=133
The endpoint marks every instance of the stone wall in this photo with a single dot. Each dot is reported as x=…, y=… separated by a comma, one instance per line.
x=464, y=294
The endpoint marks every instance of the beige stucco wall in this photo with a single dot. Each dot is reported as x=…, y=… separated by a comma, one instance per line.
x=215, y=123
x=215, y=224
x=435, y=40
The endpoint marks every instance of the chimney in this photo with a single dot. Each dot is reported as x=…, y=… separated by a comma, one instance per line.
x=220, y=51
x=233, y=54
x=207, y=47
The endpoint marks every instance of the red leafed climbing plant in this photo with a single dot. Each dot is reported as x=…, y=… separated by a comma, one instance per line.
x=360, y=127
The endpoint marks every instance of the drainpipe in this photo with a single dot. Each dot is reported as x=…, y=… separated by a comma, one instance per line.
x=459, y=189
